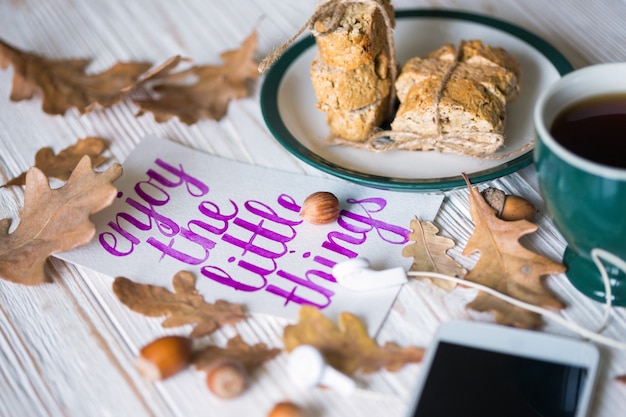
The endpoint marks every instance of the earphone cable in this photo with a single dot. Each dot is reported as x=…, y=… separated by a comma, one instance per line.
x=597, y=256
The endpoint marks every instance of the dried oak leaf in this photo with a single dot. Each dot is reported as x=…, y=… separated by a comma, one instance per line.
x=157, y=73
x=347, y=346
x=184, y=306
x=507, y=266
x=429, y=252
x=64, y=83
x=54, y=220
x=208, y=96
x=61, y=166
x=251, y=357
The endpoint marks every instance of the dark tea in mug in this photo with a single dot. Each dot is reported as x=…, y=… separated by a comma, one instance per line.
x=595, y=129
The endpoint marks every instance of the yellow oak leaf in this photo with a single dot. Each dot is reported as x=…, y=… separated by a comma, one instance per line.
x=250, y=356
x=64, y=83
x=184, y=306
x=54, y=220
x=60, y=166
x=507, y=266
x=212, y=88
x=430, y=253
x=346, y=346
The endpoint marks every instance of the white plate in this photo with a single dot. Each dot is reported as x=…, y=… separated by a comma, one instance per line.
x=288, y=103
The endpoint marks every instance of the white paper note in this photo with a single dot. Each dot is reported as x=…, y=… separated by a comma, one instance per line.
x=237, y=228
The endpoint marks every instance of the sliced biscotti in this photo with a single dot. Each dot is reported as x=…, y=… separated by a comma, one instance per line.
x=355, y=101
x=351, y=72
x=356, y=126
x=358, y=38
x=499, y=81
x=465, y=109
x=478, y=54
x=341, y=89
x=457, y=97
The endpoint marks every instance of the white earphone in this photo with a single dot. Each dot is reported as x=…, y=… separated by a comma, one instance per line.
x=357, y=275
x=308, y=369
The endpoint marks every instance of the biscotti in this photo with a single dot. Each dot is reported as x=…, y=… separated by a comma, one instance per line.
x=351, y=71
x=358, y=38
x=457, y=94
x=349, y=89
x=489, y=59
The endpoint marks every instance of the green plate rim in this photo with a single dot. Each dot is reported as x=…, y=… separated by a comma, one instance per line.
x=271, y=115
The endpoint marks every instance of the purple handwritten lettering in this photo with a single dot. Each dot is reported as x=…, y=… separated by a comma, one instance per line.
x=302, y=285
x=153, y=195
x=332, y=243
x=387, y=232
x=166, y=226
x=259, y=233
x=212, y=211
x=109, y=242
x=205, y=245
x=288, y=202
x=195, y=187
x=222, y=277
x=262, y=233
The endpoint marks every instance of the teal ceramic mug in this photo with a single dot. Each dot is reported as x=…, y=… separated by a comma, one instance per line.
x=586, y=199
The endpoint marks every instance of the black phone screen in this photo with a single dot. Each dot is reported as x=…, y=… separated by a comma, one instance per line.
x=468, y=382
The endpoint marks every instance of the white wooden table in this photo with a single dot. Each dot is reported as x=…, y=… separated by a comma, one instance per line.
x=67, y=348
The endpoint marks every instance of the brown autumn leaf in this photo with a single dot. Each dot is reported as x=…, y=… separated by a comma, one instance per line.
x=210, y=92
x=64, y=83
x=346, y=346
x=61, y=166
x=251, y=357
x=430, y=253
x=157, y=73
x=54, y=220
x=184, y=306
x=507, y=266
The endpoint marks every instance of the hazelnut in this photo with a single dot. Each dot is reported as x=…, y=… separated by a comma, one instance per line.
x=227, y=379
x=321, y=207
x=164, y=357
x=509, y=207
x=286, y=409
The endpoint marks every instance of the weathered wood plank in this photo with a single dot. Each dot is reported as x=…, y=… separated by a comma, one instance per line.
x=68, y=348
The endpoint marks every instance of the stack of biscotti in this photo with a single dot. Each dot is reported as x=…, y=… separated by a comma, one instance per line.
x=350, y=72
x=472, y=103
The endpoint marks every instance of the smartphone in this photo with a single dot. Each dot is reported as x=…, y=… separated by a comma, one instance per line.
x=480, y=370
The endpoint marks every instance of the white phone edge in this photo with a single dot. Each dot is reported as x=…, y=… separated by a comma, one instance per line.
x=520, y=342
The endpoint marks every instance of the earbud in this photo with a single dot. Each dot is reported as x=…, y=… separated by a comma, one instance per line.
x=357, y=275
x=308, y=369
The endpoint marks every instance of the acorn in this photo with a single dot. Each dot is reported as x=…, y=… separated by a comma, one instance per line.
x=509, y=207
x=286, y=409
x=227, y=378
x=321, y=207
x=164, y=357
